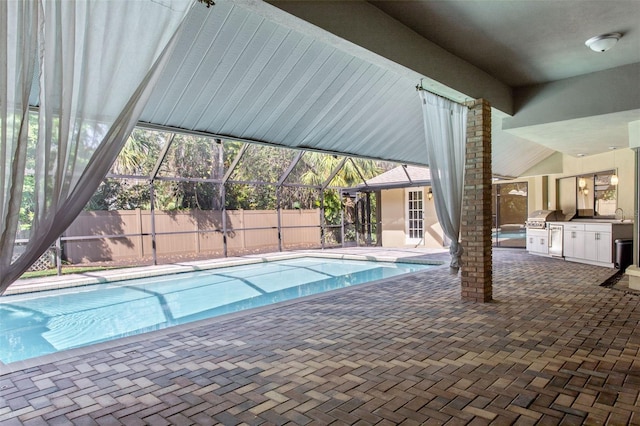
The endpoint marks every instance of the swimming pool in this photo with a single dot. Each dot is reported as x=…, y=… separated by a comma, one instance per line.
x=41, y=323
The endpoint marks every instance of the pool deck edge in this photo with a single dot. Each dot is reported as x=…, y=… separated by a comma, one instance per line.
x=32, y=285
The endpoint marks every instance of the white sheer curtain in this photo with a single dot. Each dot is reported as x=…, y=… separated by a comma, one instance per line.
x=98, y=62
x=445, y=126
x=18, y=29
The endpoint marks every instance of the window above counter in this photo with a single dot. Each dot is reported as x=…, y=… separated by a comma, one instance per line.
x=589, y=195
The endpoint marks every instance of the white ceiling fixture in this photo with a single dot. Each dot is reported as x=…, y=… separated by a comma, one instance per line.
x=603, y=42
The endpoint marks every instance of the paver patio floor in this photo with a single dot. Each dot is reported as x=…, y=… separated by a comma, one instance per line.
x=553, y=348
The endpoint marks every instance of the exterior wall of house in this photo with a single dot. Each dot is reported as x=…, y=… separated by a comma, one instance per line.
x=394, y=220
x=621, y=159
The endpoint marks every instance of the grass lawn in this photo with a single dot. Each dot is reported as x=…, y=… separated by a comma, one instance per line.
x=65, y=270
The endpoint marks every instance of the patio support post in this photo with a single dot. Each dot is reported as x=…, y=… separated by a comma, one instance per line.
x=476, y=277
x=223, y=196
x=368, y=218
x=358, y=217
x=378, y=218
x=342, y=218
x=153, y=222
x=279, y=185
x=152, y=176
x=223, y=191
x=59, y=255
x=278, y=213
x=322, y=224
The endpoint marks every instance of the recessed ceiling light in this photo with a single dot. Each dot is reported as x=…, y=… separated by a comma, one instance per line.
x=581, y=155
x=603, y=42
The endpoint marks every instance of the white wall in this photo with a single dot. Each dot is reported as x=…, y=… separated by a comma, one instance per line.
x=634, y=134
x=621, y=159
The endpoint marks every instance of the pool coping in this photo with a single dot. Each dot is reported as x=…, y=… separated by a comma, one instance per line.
x=33, y=285
x=83, y=351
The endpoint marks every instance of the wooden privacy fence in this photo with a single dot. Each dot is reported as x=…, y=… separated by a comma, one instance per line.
x=127, y=234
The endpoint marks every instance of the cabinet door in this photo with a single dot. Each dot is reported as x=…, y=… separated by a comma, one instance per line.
x=578, y=247
x=605, y=252
x=543, y=245
x=591, y=245
x=567, y=244
x=530, y=242
x=574, y=244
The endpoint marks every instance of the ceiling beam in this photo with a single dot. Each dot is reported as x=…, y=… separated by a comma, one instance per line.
x=604, y=92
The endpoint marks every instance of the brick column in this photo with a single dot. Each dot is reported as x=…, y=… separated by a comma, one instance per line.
x=476, y=206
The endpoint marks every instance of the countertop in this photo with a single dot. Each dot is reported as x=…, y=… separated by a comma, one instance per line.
x=594, y=221
x=612, y=221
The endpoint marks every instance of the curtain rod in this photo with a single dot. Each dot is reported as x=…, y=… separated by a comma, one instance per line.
x=420, y=87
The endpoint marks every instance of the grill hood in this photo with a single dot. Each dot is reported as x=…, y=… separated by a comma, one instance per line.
x=547, y=215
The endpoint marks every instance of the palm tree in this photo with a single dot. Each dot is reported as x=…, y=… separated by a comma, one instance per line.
x=320, y=166
x=139, y=153
x=353, y=171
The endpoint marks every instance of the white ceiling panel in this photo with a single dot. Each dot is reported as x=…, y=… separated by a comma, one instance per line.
x=239, y=75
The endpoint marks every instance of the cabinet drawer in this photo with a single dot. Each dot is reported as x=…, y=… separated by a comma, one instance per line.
x=605, y=227
x=574, y=227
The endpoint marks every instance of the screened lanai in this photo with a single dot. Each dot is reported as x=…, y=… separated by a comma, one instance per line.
x=236, y=71
x=173, y=197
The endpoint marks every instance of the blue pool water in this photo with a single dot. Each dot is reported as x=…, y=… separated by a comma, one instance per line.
x=510, y=235
x=45, y=322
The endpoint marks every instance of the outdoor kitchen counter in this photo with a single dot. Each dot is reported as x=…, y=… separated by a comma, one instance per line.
x=592, y=241
x=600, y=221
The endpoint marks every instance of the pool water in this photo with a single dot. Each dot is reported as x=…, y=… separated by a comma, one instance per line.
x=510, y=235
x=41, y=323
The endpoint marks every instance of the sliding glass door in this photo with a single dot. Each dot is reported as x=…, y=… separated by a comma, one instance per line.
x=510, y=212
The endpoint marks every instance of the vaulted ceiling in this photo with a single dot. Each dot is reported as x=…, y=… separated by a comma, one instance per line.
x=238, y=74
x=339, y=76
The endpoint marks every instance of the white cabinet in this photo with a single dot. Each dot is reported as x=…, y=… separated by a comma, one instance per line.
x=593, y=243
x=573, y=245
x=538, y=241
x=598, y=243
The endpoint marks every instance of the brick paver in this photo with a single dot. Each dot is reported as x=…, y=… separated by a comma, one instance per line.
x=553, y=348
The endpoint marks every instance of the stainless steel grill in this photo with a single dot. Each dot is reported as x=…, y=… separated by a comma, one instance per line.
x=539, y=218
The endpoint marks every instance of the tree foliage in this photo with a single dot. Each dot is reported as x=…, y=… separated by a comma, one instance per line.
x=251, y=184
x=322, y=166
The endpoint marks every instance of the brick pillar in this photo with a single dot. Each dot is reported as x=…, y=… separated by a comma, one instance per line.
x=476, y=206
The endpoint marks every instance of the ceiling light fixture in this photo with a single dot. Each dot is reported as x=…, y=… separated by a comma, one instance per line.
x=603, y=42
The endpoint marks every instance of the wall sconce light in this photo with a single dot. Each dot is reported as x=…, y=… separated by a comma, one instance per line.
x=614, y=180
x=582, y=183
x=582, y=186
x=614, y=177
x=430, y=194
